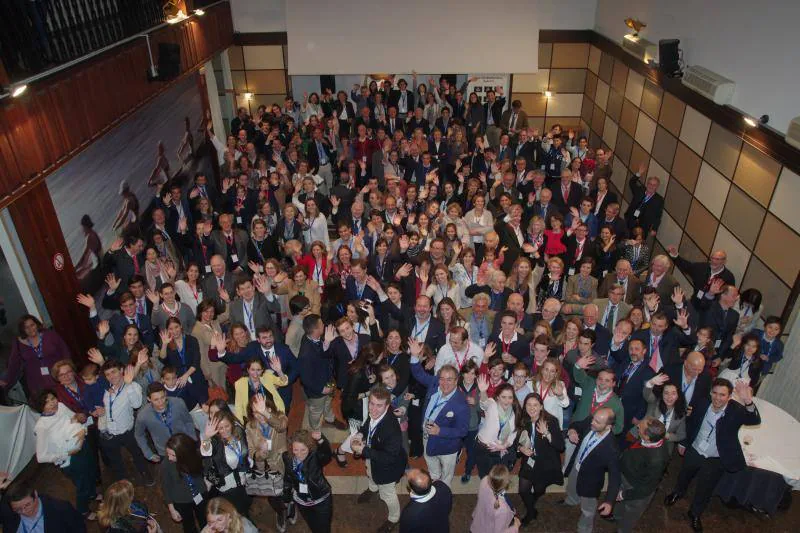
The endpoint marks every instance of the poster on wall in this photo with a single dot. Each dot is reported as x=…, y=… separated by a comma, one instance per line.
x=483, y=83
x=104, y=191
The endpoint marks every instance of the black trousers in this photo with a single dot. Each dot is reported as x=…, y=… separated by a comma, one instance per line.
x=240, y=499
x=415, y=442
x=318, y=517
x=194, y=516
x=708, y=472
x=112, y=447
x=529, y=495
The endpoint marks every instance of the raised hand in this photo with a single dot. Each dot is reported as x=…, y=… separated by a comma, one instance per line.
x=659, y=379
x=212, y=427
x=142, y=357
x=677, y=295
x=483, y=383
x=672, y=250
x=223, y=294
x=585, y=361
x=95, y=356
x=259, y=404
x=682, y=320
x=103, y=327
x=166, y=338
x=275, y=364
x=414, y=347
x=129, y=374
x=85, y=300
x=743, y=391
x=152, y=296
x=330, y=333
x=541, y=427
x=489, y=351
x=113, y=282
x=716, y=286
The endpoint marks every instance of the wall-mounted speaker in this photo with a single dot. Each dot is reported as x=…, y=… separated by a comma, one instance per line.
x=327, y=82
x=668, y=57
x=169, y=61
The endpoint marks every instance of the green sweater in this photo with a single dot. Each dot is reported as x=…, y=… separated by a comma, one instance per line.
x=584, y=407
x=642, y=470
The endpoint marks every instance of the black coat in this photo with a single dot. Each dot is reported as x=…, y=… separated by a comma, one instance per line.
x=722, y=322
x=341, y=357
x=546, y=470
x=727, y=431
x=311, y=471
x=603, y=458
x=649, y=216
x=699, y=274
x=432, y=516
x=386, y=454
x=434, y=337
x=59, y=516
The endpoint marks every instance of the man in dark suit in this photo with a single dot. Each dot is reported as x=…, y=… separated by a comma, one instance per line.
x=423, y=327
x=543, y=207
x=551, y=312
x=510, y=345
x=692, y=378
x=380, y=442
x=124, y=259
x=136, y=286
x=321, y=158
x=514, y=120
x=702, y=275
x=219, y=282
x=401, y=98
x=596, y=454
x=646, y=206
x=437, y=147
x=119, y=321
x=602, y=335
x=429, y=505
x=417, y=121
x=713, y=431
x=344, y=349
x=316, y=373
x=512, y=235
x=357, y=287
x=633, y=374
x=443, y=122
x=566, y=193
x=524, y=147
x=719, y=314
x=493, y=111
x=663, y=342
x=623, y=275
x=24, y=509
x=614, y=222
x=394, y=123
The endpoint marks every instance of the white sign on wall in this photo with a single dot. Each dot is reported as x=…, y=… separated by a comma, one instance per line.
x=487, y=82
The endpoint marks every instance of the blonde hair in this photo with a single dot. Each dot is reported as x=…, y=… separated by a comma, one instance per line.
x=116, y=502
x=224, y=507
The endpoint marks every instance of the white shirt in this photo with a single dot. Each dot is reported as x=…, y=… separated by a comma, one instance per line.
x=120, y=406
x=447, y=356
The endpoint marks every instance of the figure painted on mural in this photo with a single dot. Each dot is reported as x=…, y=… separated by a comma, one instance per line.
x=160, y=174
x=87, y=269
x=128, y=214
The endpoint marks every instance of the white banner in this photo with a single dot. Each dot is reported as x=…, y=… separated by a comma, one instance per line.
x=488, y=82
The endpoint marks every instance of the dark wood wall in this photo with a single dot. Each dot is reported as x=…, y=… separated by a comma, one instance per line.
x=57, y=118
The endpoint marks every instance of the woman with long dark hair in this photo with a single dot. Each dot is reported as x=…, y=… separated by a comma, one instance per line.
x=33, y=352
x=182, y=483
x=498, y=430
x=540, y=447
x=182, y=352
x=665, y=402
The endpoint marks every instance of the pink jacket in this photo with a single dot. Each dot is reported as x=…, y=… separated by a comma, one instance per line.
x=487, y=519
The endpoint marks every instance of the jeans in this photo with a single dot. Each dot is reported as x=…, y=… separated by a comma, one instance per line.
x=112, y=448
x=82, y=471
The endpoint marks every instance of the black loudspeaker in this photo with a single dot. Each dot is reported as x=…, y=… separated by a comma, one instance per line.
x=327, y=82
x=169, y=61
x=668, y=56
x=451, y=79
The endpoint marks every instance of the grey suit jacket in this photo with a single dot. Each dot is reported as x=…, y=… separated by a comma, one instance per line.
x=239, y=240
x=159, y=317
x=211, y=288
x=622, y=311
x=664, y=287
x=262, y=309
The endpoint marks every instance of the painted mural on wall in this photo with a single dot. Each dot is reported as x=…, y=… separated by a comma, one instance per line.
x=102, y=193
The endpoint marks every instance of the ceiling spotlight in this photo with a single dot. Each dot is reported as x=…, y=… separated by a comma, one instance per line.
x=248, y=96
x=753, y=122
x=548, y=94
x=635, y=24
x=18, y=90
x=199, y=12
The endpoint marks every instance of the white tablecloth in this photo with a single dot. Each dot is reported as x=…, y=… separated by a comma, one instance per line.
x=19, y=444
x=773, y=445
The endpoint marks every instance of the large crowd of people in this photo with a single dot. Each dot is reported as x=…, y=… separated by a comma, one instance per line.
x=440, y=279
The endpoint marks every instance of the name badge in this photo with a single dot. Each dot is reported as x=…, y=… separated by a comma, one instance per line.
x=234, y=258
x=605, y=273
x=571, y=271
x=45, y=371
x=702, y=446
x=415, y=402
x=552, y=166
x=269, y=445
x=239, y=219
x=303, y=489
x=531, y=461
x=578, y=391
x=198, y=499
x=637, y=213
x=717, y=343
x=700, y=295
x=208, y=269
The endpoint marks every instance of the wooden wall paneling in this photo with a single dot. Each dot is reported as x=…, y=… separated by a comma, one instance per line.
x=9, y=170
x=40, y=233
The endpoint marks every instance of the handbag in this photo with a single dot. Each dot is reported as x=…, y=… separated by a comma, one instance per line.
x=267, y=484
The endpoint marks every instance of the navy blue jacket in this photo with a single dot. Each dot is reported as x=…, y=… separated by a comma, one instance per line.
x=316, y=367
x=453, y=418
x=727, y=432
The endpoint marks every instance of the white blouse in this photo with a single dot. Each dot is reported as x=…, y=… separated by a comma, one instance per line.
x=55, y=436
x=553, y=404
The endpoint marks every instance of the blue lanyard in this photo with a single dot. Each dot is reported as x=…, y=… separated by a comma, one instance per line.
x=237, y=450
x=631, y=369
x=166, y=418
x=419, y=331
x=182, y=352
x=371, y=432
x=190, y=483
x=266, y=430
x=393, y=358
x=39, y=348
x=440, y=402
x=111, y=401
x=75, y=395
x=593, y=441
x=257, y=390
x=360, y=291
x=768, y=345
x=258, y=246
x=297, y=466
x=687, y=386
x=33, y=527
x=248, y=316
x=443, y=292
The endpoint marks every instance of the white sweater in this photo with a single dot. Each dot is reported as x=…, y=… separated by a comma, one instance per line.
x=55, y=436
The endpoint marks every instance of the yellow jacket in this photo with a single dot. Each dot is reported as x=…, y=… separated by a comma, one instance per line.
x=271, y=383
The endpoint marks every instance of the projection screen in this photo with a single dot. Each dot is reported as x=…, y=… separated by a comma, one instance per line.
x=380, y=36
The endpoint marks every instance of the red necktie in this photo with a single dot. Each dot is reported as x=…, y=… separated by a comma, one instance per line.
x=229, y=239
x=565, y=192
x=654, y=355
x=135, y=264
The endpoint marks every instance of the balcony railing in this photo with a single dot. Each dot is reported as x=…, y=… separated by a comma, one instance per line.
x=38, y=34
